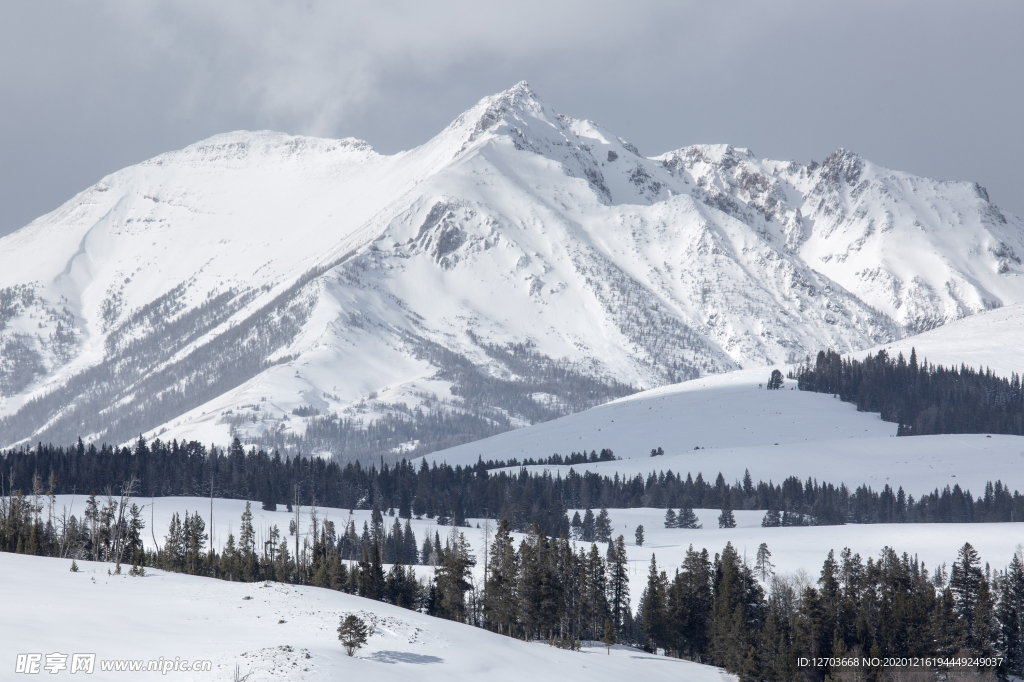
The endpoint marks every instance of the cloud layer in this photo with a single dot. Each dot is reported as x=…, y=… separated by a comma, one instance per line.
x=89, y=87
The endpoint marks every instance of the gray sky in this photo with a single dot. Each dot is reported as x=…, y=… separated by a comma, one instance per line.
x=934, y=88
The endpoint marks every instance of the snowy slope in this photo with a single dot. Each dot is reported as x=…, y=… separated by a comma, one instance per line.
x=213, y=291
x=739, y=426
x=994, y=340
x=275, y=631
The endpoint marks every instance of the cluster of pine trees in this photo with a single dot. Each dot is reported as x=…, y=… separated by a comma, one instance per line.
x=453, y=494
x=921, y=397
x=757, y=625
x=605, y=455
x=590, y=528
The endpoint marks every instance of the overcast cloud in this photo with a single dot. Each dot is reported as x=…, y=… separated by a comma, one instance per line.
x=933, y=88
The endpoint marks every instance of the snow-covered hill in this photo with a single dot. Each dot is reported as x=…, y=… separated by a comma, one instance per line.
x=274, y=631
x=519, y=266
x=738, y=426
x=994, y=340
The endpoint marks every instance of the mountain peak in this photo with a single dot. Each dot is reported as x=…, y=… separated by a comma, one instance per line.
x=517, y=102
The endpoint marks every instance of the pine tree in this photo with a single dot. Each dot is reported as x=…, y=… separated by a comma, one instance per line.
x=576, y=527
x=74, y=566
x=1010, y=616
x=452, y=577
x=594, y=584
x=247, y=545
x=501, y=596
x=726, y=519
x=608, y=639
x=653, y=605
x=670, y=519
x=603, y=526
x=353, y=633
x=730, y=633
x=268, y=498
x=690, y=601
x=687, y=519
x=965, y=582
x=772, y=519
x=618, y=582
x=639, y=536
x=763, y=563
x=588, y=525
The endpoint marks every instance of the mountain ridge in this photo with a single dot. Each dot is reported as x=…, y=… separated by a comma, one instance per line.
x=518, y=266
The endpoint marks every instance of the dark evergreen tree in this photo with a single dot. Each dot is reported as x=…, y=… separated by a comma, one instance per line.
x=726, y=518
x=653, y=609
x=1010, y=616
x=603, y=527
x=687, y=519
x=588, y=526
x=618, y=582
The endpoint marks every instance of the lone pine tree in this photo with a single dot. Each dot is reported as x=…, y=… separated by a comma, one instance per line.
x=763, y=564
x=609, y=636
x=352, y=632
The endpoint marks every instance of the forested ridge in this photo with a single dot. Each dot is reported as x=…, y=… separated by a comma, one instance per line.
x=922, y=398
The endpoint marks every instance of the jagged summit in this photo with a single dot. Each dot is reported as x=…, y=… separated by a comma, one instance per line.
x=519, y=265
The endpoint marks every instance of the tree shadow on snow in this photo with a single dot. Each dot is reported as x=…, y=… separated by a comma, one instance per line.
x=403, y=657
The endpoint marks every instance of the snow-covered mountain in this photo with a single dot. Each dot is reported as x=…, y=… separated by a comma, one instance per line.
x=519, y=266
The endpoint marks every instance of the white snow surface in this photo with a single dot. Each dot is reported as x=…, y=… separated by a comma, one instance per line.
x=274, y=631
x=738, y=426
x=325, y=266
x=993, y=340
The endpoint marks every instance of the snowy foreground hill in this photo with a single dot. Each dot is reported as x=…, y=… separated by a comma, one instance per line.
x=283, y=631
x=275, y=631
x=289, y=289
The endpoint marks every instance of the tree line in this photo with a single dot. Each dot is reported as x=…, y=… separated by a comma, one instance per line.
x=922, y=398
x=453, y=494
x=739, y=615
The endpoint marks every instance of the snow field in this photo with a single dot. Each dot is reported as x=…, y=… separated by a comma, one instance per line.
x=773, y=434
x=275, y=631
x=797, y=550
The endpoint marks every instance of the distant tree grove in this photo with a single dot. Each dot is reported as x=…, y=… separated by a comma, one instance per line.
x=921, y=397
x=486, y=489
